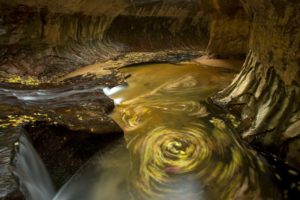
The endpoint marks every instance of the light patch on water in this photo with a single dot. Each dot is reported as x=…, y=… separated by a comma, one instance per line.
x=118, y=101
x=111, y=91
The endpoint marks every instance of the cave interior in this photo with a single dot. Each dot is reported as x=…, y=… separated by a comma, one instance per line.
x=57, y=56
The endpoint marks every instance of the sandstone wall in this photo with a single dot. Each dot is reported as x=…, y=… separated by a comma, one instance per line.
x=74, y=33
x=267, y=89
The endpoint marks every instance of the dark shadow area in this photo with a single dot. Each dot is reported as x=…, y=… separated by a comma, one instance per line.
x=64, y=151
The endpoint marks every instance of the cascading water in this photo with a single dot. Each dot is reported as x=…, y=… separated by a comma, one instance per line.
x=32, y=173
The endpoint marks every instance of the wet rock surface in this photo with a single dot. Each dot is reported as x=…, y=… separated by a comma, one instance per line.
x=49, y=38
x=67, y=120
x=43, y=41
x=72, y=118
x=66, y=104
x=266, y=93
x=64, y=151
x=9, y=184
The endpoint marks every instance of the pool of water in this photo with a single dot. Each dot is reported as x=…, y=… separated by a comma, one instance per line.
x=177, y=145
x=181, y=146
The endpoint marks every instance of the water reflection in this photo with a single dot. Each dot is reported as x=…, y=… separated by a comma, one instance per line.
x=180, y=147
x=177, y=146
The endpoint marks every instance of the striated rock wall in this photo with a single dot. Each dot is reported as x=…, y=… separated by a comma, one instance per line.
x=45, y=38
x=275, y=36
x=36, y=36
x=267, y=89
x=229, y=29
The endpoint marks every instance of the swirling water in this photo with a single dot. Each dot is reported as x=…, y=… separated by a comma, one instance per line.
x=180, y=146
x=177, y=145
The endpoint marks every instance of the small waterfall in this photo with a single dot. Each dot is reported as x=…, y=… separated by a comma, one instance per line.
x=32, y=173
x=103, y=177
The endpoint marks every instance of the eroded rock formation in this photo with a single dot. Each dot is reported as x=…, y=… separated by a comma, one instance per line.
x=63, y=36
x=45, y=39
x=267, y=89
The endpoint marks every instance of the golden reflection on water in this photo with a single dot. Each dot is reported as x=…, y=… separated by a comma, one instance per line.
x=180, y=149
